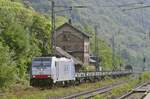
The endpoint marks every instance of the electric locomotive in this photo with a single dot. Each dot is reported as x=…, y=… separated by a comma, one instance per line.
x=52, y=70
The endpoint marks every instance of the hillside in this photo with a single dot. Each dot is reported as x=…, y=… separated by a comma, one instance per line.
x=24, y=34
x=133, y=36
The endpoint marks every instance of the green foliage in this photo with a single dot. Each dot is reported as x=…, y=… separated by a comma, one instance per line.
x=17, y=39
x=59, y=92
x=145, y=76
x=123, y=88
x=110, y=20
x=132, y=83
x=104, y=52
x=24, y=33
x=7, y=67
x=60, y=20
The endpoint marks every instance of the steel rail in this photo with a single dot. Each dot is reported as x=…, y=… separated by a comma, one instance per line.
x=138, y=89
x=91, y=93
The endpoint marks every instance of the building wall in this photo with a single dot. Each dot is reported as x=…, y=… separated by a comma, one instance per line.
x=86, y=51
x=70, y=42
x=73, y=42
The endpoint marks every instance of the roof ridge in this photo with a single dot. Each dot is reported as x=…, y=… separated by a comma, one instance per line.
x=85, y=34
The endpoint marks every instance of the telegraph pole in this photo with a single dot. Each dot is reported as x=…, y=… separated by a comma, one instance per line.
x=96, y=49
x=113, y=52
x=144, y=56
x=144, y=59
x=119, y=48
x=53, y=12
x=53, y=36
x=120, y=64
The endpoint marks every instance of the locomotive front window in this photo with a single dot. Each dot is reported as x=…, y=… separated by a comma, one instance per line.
x=41, y=62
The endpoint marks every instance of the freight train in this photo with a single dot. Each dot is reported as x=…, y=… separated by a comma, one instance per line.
x=61, y=71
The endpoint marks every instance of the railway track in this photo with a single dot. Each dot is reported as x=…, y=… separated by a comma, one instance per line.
x=90, y=93
x=137, y=93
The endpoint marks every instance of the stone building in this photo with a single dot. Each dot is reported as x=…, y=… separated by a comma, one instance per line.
x=74, y=42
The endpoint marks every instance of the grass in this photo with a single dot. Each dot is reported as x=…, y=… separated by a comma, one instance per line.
x=34, y=93
x=144, y=77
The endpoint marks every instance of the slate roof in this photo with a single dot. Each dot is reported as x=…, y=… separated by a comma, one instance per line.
x=83, y=33
x=63, y=53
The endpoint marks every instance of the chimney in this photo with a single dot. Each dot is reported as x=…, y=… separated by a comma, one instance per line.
x=70, y=21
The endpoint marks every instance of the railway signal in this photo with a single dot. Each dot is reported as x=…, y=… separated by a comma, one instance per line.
x=144, y=61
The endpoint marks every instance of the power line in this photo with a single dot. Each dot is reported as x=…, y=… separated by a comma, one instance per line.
x=53, y=15
x=124, y=5
x=137, y=8
x=142, y=18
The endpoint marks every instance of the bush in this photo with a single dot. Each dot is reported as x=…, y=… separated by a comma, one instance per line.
x=7, y=67
x=145, y=76
x=23, y=32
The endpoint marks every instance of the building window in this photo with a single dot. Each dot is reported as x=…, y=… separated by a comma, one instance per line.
x=64, y=47
x=86, y=48
x=86, y=60
x=66, y=35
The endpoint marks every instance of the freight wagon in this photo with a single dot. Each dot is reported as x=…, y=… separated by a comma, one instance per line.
x=62, y=71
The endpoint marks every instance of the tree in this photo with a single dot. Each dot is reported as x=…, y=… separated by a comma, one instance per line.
x=23, y=32
x=7, y=67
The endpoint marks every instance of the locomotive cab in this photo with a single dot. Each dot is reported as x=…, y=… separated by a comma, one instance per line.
x=40, y=71
x=41, y=67
x=52, y=70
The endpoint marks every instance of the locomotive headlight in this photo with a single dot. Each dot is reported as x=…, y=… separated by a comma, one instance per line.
x=33, y=76
x=42, y=69
x=49, y=76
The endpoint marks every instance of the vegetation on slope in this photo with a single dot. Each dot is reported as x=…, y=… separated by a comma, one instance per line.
x=110, y=20
x=23, y=34
x=104, y=50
